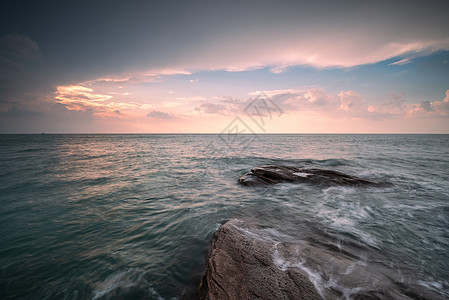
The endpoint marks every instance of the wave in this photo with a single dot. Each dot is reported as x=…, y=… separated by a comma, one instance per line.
x=129, y=284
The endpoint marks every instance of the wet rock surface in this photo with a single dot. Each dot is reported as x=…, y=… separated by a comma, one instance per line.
x=272, y=174
x=246, y=263
x=241, y=266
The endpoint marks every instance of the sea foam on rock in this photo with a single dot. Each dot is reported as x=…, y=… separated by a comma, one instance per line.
x=241, y=265
x=245, y=262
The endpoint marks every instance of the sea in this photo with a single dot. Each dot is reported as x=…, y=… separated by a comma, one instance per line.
x=111, y=216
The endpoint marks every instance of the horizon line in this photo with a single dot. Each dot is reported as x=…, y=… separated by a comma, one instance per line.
x=222, y=133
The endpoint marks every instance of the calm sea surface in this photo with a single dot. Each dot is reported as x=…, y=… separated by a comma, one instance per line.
x=132, y=216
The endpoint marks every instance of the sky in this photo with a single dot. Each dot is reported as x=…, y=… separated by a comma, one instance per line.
x=224, y=66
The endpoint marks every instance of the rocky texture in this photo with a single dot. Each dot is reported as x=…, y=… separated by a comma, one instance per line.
x=272, y=174
x=240, y=265
x=246, y=262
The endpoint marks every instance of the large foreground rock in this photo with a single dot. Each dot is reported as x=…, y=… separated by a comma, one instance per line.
x=246, y=262
x=272, y=174
x=241, y=266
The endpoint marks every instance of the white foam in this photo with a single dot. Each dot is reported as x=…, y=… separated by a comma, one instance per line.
x=155, y=294
x=320, y=281
x=301, y=174
x=314, y=277
x=431, y=284
x=270, y=235
x=411, y=207
x=342, y=222
x=347, y=292
x=345, y=216
x=133, y=277
x=437, y=286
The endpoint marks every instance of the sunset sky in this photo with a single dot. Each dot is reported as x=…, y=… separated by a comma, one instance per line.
x=196, y=66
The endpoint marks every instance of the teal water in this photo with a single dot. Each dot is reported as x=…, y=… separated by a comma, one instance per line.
x=132, y=216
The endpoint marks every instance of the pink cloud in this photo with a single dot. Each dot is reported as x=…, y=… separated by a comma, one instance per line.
x=307, y=99
x=212, y=108
x=351, y=104
x=77, y=97
x=401, y=62
x=153, y=75
x=160, y=115
x=111, y=79
x=394, y=106
x=324, y=50
x=164, y=72
x=435, y=108
x=328, y=49
x=81, y=98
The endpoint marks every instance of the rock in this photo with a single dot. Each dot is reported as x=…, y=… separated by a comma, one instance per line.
x=272, y=174
x=241, y=266
x=246, y=262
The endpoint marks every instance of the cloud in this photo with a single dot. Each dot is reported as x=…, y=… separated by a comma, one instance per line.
x=278, y=37
x=393, y=107
x=160, y=115
x=401, y=62
x=165, y=72
x=190, y=99
x=18, y=46
x=425, y=106
x=324, y=52
x=326, y=35
x=211, y=108
x=152, y=75
x=77, y=97
x=307, y=99
x=441, y=107
x=351, y=104
x=435, y=108
x=7, y=66
x=223, y=106
x=110, y=79
x=12, y=48
x=81, y=98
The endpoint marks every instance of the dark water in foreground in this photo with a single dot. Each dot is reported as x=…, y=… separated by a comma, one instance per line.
x=104, y=216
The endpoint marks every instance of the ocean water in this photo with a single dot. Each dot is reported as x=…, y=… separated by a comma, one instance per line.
x=132, y=216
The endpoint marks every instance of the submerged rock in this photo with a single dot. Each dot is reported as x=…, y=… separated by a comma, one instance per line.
x=272, y=174
x=241, y=266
